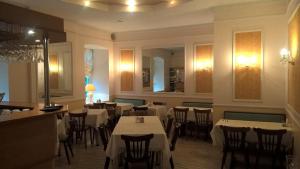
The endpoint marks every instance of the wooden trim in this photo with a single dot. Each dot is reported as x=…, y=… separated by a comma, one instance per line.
x=204, y=77
x=127, y=67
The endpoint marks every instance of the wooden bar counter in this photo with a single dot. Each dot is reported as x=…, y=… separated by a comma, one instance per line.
x=28, y=139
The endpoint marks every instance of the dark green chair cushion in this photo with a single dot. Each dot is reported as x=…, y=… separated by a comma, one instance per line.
x=250, y=116
x=197, y=104
x=135, y=102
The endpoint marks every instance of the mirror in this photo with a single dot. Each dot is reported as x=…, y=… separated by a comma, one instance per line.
x=60, y=70
x=163, y=69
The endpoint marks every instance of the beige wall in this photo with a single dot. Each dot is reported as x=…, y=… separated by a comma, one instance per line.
x=176, y=37
x=81, y=37
x=274, y=30
x=294, y=116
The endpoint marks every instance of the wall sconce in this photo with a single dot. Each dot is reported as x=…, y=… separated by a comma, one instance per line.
x=126, y=67
x=247, y=61
x=203, y=65
x=53, y=64
x=90, y=88
x=285, y=57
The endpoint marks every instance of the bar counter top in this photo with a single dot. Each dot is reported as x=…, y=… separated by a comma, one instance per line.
x=31, y=112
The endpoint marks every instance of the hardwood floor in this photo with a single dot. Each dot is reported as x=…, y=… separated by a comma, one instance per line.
x=190, y=153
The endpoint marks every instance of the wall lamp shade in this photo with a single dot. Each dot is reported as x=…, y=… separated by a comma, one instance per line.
x=285, y=56
x=90, y=88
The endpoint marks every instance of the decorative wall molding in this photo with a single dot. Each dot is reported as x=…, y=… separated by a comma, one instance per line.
x=293, y=114
x=193, y=30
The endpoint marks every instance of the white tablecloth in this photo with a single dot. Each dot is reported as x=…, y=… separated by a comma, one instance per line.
x=94, y=118
x=190, y=114
x=218, y=137
x=158, y=110
x=127, y=126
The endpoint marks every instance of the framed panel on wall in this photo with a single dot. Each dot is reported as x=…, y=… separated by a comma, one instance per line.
x=203, y=62
x=127, y=69
x=294, y=69
x=247, y=66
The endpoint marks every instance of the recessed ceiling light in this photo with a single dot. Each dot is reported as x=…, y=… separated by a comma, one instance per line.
x=131, y=2
x=172, y=2
x=30, y=32
x=87, y=3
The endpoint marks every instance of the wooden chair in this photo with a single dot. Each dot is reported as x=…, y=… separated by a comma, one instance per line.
x=269, y=144
x=159, y=103
x=95, y=106
x=140, y=111
x=137, y=150
x=181, y=117
x=105, y=134
x=112, y=112
x=173, y=142
x=65, y=140
x=169, y=126
x=77, y=122
x=203, y=122
x=234, y=142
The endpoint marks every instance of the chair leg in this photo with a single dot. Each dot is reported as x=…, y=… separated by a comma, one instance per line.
x=232, y=160
x=85, y=139
x=107, y=161
x=67, y=153
x=91, y=136
x=172, y=162
x=70, y=147
x=224, y=159
x=126, y=164
x=257, y=160
x=247, y=160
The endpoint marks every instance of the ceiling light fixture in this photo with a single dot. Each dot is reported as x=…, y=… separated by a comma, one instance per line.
x=87, y=3
x=172, y=2
x=30, y=32
x=37, y=41
x=131, y=5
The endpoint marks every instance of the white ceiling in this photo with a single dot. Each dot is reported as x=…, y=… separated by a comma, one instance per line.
x=191, y=13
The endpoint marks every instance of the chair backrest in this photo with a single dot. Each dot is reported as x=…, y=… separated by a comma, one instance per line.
x=140, y=111
x=269, y=141
x=202, y=117
x=159, y=103
x=137, y=147
x=234, y=137
x=95, y=106
x=169, y=126
x=111, y=108
x=77, y=120
x=105, y=133
x=174, y=137
x=180, y=114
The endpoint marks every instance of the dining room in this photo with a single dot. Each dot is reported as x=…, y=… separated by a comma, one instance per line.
x=185, y=84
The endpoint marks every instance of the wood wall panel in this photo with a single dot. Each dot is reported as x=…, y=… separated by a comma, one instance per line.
x=203, y=68
x=127, y=69
x=247, y=65
x=54, y=72
x=294, y=70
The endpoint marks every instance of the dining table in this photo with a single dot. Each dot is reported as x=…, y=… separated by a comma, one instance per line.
x=160, y=111
x=122, y=107
x=218, y=137
x=190, y=114
x=129, y=125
